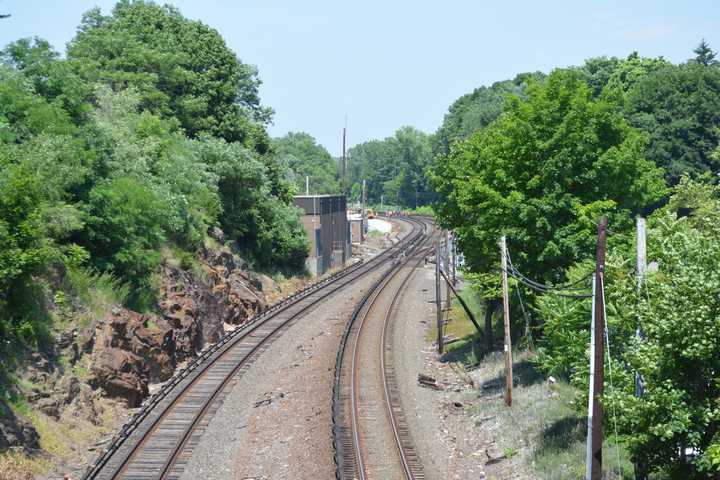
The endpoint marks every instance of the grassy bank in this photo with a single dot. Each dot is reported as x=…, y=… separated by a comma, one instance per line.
x=542, y=435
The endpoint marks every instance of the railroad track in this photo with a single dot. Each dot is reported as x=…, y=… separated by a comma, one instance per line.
x=158, y=441
x=355, y=402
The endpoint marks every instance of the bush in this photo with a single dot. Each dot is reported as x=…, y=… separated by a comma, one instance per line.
x=126, y=221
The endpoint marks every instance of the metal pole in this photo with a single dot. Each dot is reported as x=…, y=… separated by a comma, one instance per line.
x=307, y=185
x=362, y=202
x=588, y=456
x=343, y=186
x=640, y=467
x=598, y=355
x=454, y=259
x=438, y=299
x=448, y=300
x=506, y=322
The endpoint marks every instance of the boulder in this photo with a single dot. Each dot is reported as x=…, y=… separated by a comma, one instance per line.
x=121, y=373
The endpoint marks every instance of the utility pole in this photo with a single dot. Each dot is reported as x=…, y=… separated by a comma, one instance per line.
x=382, y=198
x=448, y=292
x=438, y=299
x=506, y=321
x=362, y=202
x=641, y=472
x=344, y=163
x=307, y=185
x=454, y=259
x=598, y=357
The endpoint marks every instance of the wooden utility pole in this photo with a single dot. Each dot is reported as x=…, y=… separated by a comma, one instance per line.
x=598, y=357
x=448, y=299
x=506, y=322
x=438, y=299
x=641, y=471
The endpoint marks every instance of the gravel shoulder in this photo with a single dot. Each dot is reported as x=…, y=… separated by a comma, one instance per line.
x=275, y=423
x=442, y=423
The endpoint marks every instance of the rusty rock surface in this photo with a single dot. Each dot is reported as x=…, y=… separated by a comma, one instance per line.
x=131, y=350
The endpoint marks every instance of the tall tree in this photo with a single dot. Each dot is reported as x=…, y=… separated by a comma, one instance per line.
x=182, y=69
x=303, y=156
x=476, y=110
x=704, y=54
x=679, y=108
x=542, y=174
x=393, y=168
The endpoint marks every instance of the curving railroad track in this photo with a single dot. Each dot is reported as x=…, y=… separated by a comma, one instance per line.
x=158, y=441
x=370, y=432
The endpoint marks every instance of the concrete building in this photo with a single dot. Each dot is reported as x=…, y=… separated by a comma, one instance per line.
x=325, y=221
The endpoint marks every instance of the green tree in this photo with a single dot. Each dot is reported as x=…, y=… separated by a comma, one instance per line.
x=679, y=109
x=52, y=78
x=264, y=227
x=393, y=168
x=126, y=223
x=679, y=356
x=704, y=55
x=182, y=69
x=303, y=156
x=542, y=174
x=477, y=109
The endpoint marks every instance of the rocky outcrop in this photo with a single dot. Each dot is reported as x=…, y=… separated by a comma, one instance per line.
x=16, y=432
x=131, y=350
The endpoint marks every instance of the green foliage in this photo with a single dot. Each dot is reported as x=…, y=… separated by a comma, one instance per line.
x=704, y=55
x=52, y=78
x=182, y=69
x=263, y=226
x=679, y=356
x=618, y=74
x=125, y=229
x=679, y=109
x=542, y=174
x=302, y=156
x=477, y=110
x=394, y=169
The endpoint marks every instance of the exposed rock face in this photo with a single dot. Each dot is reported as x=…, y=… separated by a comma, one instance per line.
x=131, y=350
x=16, y=432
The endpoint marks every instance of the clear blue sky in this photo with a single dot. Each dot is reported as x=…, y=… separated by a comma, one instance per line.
x=391, y=63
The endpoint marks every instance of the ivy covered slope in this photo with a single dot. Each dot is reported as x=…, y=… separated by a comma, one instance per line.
x=148, y=135
x=620, y=138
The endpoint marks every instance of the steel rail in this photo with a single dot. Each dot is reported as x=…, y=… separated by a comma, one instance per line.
x=411, y=466
x=210, y=356
x=346, y=434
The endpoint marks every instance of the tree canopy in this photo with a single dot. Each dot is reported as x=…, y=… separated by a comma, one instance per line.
x=147, y=136
x=182, y=70
x=542, y=174
x=393, y=168
x=678, y=107
x=303, y=156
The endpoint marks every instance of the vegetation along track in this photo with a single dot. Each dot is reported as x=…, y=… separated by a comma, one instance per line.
x=158, y=441
x=354, y=401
